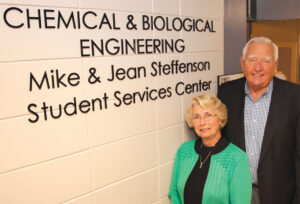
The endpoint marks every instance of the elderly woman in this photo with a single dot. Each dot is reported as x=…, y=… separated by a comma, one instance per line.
x=210, y=169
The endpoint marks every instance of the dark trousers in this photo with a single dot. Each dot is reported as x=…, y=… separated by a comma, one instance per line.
x=255, y=195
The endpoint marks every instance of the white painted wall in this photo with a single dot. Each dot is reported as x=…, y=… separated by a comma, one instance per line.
x=114, y=155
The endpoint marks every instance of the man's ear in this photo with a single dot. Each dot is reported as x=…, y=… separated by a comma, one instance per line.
x=242, y=64
x=276, y=66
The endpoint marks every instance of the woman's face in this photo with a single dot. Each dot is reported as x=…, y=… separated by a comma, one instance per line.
x=206, y=123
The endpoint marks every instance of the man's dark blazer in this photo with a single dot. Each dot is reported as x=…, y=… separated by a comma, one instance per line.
x=279, y=162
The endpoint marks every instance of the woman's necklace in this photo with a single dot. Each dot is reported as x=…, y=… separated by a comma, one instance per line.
x=206, y=158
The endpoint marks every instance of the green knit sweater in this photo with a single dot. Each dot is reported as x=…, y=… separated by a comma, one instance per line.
x=228, y=180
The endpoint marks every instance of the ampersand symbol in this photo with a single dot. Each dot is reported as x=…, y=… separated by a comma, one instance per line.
x=130, y=25
x=93, y=78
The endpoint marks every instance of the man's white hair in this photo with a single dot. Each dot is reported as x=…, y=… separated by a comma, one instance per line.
x=261, y=39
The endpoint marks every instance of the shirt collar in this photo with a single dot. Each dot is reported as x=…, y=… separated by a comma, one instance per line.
x=267, y=92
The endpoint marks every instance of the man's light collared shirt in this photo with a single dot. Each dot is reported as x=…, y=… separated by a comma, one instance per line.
x=255, y=118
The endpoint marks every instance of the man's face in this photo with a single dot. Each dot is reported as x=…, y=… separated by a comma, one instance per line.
x=259, y=65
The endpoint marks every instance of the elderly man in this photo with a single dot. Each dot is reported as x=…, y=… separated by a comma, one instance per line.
x=264, y=121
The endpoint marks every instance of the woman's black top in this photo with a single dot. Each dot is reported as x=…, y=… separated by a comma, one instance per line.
x=193, y=190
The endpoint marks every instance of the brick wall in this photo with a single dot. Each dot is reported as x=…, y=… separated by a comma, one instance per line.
x=70, y=137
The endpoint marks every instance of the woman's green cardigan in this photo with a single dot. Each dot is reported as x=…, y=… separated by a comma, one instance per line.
x=228, y=180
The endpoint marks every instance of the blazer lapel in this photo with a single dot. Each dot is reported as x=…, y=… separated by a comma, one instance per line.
x=237, y=115
x=240, y=116
x=273, y=118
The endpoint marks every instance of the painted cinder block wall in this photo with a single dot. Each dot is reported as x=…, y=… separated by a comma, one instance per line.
x=116, y=154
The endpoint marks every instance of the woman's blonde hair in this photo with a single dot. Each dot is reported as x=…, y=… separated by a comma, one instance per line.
x=209, y=102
